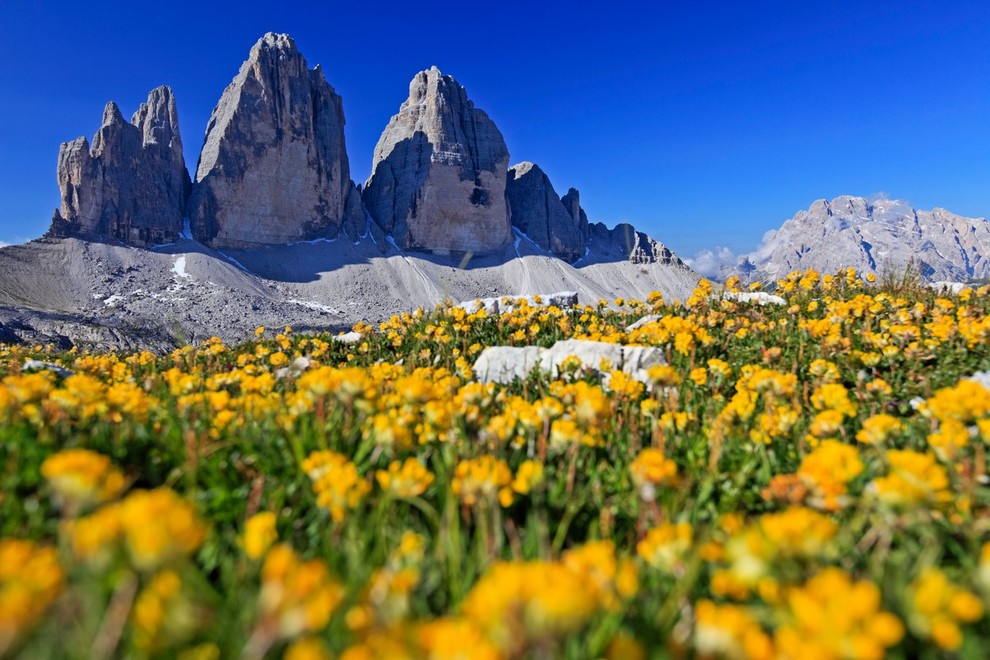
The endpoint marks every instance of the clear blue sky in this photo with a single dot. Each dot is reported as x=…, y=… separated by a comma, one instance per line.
x=704, y=123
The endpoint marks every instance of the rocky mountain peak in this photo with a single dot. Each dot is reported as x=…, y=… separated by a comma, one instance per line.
x=439, y=172
x=274, y=166
x=132, y=184
x=112, y=114
x=879, y=236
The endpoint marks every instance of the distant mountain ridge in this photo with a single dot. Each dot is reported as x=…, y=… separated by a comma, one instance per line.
x=881, y=236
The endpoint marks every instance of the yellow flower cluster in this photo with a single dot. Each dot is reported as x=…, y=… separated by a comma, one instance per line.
x=296, y=596
x=407, y=479
x=338, y=486
x=665, y=547
x=162, y=617
x=832, y=616
x=915, y=478
x=483, y=479
x=82, y=478
x=156, y=527
x=30, y=580
x=259, y=534
x=651, y=469
x=473, y=519
x=939, y=607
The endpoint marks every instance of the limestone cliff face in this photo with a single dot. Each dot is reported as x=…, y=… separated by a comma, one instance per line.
x=132, y=184
x=274, y=165
x=439, y=172
x=539, y=213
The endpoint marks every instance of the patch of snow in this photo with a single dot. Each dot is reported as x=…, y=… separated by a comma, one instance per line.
x=179, y=267
x=235, y=262
x=113, y=300
x=315, y=305
x=391, y=241
x=315, y=241
x=186, y=232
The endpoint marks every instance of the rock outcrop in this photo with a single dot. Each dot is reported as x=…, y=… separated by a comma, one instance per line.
x=881, y=237
x=274, y=166
x=132, y=184
x=622, y=242
x=560, y=226
x=539, y=213
x=439, y=172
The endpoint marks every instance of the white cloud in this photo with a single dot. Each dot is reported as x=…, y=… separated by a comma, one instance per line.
x=711, y=263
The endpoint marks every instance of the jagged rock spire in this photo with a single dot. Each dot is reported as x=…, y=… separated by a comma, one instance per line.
x=132, y=184
x=274, y=166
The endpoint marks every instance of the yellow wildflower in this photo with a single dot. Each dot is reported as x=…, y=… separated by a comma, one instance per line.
x=939, y=607
x=82, y=478
x=483, y=479
x=651, y=468
x=259, y=534
x=833, y=617
x=30, y=579
x=914, y=478
x=729, y=631
x=407, y=479
x=297, y=596
x=878, y=429
x=665, y=547
x=528, y=476
x=159, y=527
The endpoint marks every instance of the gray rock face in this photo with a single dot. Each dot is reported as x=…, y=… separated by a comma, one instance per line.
x=274, y=166
x=439, y=172
x=132, y=184
x=572, y=204
x=623, y=242
x=879, y=237
x=541, y=215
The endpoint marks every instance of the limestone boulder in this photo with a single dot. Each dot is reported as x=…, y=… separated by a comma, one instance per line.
x=439, y=172
x=753, y=297
x=131, y=184
x=505, y=304
x=274, y=166
x=591, y=354
x=504, y=364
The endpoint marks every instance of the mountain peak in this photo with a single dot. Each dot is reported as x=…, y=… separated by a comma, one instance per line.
x=880, y=236
x=439, y=172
